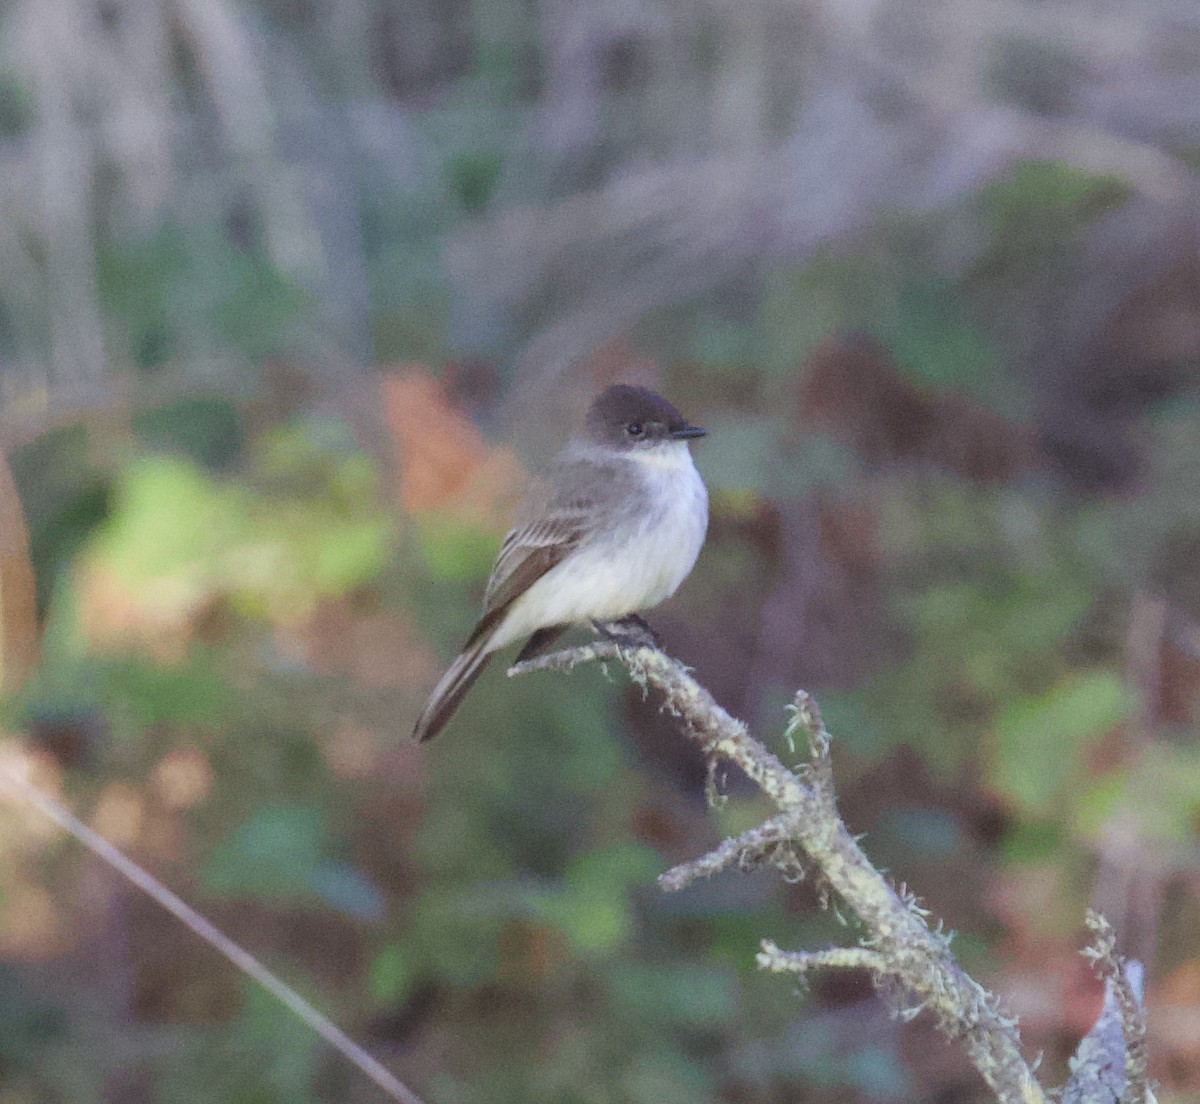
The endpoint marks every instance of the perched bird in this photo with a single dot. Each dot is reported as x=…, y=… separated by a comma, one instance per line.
x=621, y=529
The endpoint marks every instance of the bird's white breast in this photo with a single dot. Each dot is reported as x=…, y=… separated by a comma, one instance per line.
x=673, y=529
x=649, y=551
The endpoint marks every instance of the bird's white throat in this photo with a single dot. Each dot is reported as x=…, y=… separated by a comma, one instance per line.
x=666, y=456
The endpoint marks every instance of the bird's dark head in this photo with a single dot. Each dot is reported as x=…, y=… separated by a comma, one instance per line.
x=628, y=417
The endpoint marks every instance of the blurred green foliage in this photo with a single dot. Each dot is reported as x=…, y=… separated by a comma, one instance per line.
x=221, y=576
x=523, y=876
x=1040, y=741
x=309, y=529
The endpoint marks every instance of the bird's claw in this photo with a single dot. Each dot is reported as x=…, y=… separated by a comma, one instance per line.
x=631, y=631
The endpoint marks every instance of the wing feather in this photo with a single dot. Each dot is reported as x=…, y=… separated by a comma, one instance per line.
x=530, y=550
x=557, y=520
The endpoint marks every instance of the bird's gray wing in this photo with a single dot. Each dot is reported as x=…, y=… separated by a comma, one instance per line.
x=553, y=530
x=532, y=549
x=556, y=522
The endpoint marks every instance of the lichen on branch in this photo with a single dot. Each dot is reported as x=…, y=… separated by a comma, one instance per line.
x=900, y=948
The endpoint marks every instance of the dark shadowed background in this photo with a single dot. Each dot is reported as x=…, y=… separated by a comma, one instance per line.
x=292, y=293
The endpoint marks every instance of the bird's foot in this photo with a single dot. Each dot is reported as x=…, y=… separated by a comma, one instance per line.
x=631, y=631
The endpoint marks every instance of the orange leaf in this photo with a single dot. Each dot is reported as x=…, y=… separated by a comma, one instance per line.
x=443, y=460
x=437, y=448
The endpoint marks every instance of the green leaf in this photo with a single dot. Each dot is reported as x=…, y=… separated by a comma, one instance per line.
x=472, y=175
x=936, y=343
x=274, y=854
x=455, y=549
x=348, y=890
x=182, y=282
x=739, y=815
x=1040, y=741
x=660, y=1077
x=141, y=694
x=802, y=307
x=592, y=922
x=592, y=907
x=613, y=869
x=169, y=517
x=723, y=343
x=286, y=1046
x=179, y=536
x=855, y=726
x=931, y=833
x=27, y=1025
x=879, y=1074
x=1033, y=841
x=208, y=431
x=1058, y=191
x=691, y=996
x=1097, y=805
x=390, y=975
x=1170, y=772
x=455, y=933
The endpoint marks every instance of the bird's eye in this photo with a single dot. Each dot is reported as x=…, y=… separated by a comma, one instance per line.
x=635, y=429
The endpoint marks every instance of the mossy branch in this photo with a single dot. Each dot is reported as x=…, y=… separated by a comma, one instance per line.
x=1110, y=1062
x=901, y=949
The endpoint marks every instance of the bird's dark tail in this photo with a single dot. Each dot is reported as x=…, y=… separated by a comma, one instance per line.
x=454, y=684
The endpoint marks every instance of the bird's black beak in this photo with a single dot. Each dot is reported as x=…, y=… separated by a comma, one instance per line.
x=687, y=432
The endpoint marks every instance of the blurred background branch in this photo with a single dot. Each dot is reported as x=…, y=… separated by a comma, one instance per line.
x=13, y=779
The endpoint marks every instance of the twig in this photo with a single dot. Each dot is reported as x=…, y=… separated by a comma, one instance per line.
x=775, y=961
x=1111, y=1060
x=756, y=847
x=807, y=717
x=899, y=946
x=217, y=939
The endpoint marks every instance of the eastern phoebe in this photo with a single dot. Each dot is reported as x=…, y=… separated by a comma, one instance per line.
x=621, y=530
